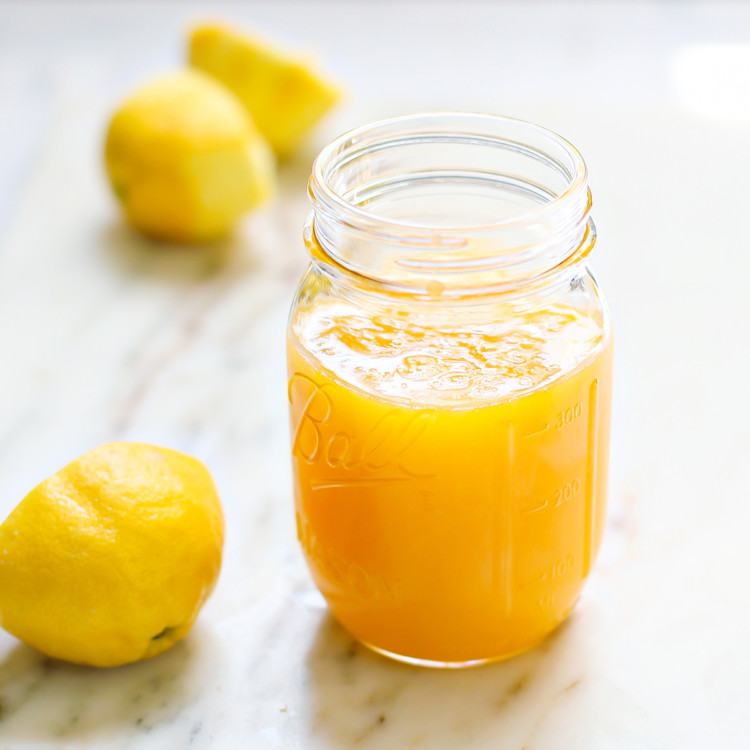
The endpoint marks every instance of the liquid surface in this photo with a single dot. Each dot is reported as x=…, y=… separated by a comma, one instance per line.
x=450, y=485
x=400, y=356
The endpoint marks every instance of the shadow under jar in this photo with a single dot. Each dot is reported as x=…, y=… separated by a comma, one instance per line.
x=450, y=360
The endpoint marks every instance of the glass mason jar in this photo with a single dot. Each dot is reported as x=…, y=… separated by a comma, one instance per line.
x=450, y=359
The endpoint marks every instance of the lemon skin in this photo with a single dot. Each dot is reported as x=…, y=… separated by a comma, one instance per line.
x=109, y=560
x=285, y=94
x=185, y=159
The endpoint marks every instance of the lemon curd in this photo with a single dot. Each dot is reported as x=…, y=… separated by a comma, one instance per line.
x=450, y=485
x=449, y=441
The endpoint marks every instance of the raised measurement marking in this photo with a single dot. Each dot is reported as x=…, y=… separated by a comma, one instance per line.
x=567, y=492
x=547, y=600
x=560, y=496
x=568, y=416
x=536, y=581
x=563, y=565
x=540, y=431
x=557, y=570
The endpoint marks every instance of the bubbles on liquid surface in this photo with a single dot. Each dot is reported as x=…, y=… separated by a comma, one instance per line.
x=418, y=367
x=400, y=354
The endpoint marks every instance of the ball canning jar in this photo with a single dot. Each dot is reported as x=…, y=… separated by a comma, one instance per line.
x=450, y=360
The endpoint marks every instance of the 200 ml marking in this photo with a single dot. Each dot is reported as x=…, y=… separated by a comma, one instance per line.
x=563, y=494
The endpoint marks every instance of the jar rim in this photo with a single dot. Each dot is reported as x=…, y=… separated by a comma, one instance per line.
x=328, y=199
x=531, y=181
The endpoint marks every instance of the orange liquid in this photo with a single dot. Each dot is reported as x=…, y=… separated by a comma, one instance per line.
x=450, y=486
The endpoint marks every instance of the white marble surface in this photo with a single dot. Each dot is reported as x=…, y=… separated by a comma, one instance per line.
x=105, y=336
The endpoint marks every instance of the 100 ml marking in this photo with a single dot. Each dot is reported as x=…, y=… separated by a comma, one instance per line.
x=559, y=569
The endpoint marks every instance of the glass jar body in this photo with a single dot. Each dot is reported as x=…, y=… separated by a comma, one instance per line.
x=450, y=374
x=450, y=462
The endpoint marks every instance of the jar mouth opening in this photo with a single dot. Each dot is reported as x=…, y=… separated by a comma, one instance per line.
x=444, y=195
x=480, y=131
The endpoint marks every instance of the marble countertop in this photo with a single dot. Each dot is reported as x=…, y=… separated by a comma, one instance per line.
x=105, y=336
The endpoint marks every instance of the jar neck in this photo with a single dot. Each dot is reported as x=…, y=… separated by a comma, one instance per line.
x=451, y=204
x=547, y=285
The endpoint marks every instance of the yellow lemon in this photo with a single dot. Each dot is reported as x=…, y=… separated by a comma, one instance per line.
x=185, y=159
x=284, y=95
x=110, y=559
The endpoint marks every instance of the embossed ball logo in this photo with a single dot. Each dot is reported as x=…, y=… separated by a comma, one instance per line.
x=380, y=452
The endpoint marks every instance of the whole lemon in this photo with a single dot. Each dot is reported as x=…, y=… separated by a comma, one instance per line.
x=185, y=159
x=110, y=559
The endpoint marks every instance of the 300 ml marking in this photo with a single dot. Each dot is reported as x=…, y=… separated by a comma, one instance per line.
x=568, y=416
